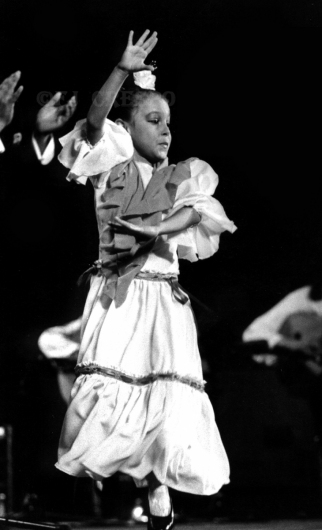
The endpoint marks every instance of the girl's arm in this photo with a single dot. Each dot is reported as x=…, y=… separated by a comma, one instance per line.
x=178, y=222
x=132, y=61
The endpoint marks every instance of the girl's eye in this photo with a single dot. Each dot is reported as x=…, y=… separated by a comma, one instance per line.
x=156, y=121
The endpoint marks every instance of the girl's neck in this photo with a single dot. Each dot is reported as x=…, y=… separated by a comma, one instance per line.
x=158, y=165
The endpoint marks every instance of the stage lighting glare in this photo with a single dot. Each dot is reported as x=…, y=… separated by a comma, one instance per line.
x=137, y=515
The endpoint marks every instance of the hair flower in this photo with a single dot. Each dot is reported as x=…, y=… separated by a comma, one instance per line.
x=145, y=79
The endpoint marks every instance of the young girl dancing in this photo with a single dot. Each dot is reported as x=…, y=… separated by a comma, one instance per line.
x=138, y=404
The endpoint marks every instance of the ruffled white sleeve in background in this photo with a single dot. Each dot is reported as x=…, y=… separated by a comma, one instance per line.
x=61, y=342
x=201, y=241
x=267, y=326
x=85, y=160
x=2, y=148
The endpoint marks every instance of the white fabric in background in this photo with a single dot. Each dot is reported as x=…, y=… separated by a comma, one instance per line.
x=46, y=157
x=267, y=326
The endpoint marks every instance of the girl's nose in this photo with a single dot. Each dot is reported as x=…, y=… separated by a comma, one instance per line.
x=166, y=130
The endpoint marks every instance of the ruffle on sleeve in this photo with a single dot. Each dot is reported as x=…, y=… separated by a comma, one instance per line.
x=202, y=240
x=85, y=160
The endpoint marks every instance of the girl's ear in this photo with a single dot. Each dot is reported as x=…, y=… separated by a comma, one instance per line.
x=123, y=123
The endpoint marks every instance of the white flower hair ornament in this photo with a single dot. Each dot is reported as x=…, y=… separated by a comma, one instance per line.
x=144, y=79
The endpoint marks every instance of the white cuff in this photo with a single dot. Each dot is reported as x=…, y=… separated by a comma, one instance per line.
x=2, y=147
x=48, y=154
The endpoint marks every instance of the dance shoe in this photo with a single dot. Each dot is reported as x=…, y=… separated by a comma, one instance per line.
x=161, y=523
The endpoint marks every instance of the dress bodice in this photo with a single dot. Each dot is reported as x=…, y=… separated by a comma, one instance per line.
x=127, y=185
x=163, y=257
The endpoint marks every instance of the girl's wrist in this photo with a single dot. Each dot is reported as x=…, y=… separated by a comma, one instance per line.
x=122, y=70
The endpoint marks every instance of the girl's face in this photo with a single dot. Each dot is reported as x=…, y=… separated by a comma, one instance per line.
x=149, y=129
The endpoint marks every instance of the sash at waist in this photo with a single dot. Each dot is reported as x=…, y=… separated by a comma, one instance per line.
x=177, y=291
x=172, y=279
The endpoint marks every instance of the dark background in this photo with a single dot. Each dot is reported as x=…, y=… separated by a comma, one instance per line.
x=246, y=81
x=247, y=85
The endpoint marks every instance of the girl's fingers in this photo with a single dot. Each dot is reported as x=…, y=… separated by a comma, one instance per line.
x=149, y=67
x=113, y=224
x=150, y=40
x=126, y=224
x=143, y=37
x=151, y=46
x=130, y=39
x=118, y=219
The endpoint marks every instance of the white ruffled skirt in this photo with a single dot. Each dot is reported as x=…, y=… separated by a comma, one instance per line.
x=139, y=405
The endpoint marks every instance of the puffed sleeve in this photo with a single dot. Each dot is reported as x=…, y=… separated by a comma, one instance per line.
x=85, y=160
x=202, y=240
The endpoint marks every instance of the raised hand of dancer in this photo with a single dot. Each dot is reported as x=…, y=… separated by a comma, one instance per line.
x=132, y=60
x=8, y=98
x=53, y=115
x=134, y=55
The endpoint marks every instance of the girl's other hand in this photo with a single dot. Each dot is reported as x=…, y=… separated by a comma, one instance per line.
x=135, y=54
x=124, y=227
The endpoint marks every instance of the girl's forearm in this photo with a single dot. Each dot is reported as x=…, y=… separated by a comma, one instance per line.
x=181, y=220
x=103, y=103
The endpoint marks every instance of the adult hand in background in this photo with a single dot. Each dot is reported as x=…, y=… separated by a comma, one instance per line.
x=8, y=98
x=54, y=115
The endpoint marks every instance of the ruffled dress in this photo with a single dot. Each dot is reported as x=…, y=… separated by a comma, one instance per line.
x=139, y=403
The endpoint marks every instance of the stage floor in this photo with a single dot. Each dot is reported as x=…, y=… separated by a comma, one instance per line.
x=298, y=524
x=269, y=525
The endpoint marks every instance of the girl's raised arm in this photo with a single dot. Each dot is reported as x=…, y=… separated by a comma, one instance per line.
x=132, y=60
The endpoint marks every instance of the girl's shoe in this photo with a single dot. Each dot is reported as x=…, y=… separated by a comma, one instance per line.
x=161, y=523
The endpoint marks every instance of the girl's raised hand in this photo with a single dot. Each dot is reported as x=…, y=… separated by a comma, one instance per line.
x=124, y=227
x=135, y=54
